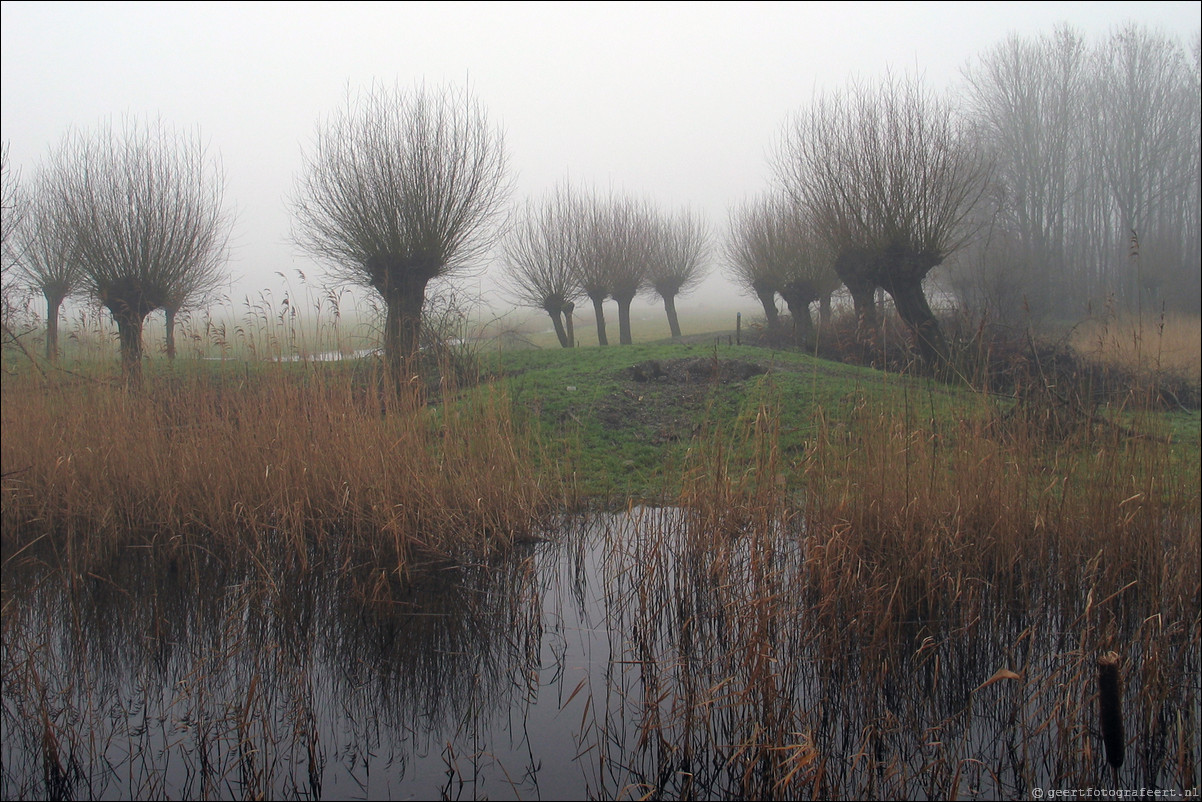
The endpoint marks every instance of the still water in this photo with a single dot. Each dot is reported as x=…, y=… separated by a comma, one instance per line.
x=605, y=661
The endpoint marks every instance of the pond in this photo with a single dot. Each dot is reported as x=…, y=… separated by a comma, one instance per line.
x=613, y=659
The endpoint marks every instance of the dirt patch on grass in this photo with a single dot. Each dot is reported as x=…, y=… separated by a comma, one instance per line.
x=705, y=370
x=659, y=401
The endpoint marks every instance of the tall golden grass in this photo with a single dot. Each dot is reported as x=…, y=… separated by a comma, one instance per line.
x=285, y=460
x=1152, y=343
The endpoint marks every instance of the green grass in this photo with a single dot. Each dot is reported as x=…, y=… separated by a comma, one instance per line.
x=622, y=438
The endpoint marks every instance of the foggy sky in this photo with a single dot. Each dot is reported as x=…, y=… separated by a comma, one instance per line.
x=676, y=102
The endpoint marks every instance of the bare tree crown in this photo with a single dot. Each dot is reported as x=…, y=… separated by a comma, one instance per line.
x=883, y=166
x=405, y=177
x=681, y=245
x=144, y=209
x=544, y=250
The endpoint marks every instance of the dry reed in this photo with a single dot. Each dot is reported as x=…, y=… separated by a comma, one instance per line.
x=839, y=623
x=276, y=464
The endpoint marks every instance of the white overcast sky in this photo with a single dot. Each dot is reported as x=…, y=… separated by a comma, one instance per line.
x=678, y=102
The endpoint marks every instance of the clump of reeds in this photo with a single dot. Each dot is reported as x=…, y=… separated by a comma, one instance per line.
x=278, y=461
x=908, y=555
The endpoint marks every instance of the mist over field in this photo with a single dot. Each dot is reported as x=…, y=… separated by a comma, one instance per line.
x=683, y=107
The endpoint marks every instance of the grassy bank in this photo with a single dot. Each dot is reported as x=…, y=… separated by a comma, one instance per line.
x=627, y=417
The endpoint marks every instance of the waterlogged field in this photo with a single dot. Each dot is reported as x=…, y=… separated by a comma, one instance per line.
x=275, y=580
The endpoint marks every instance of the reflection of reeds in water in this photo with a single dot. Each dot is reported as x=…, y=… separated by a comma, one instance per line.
x=235, y=687
x=680, y=668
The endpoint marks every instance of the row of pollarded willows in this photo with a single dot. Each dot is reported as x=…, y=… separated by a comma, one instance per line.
x=283, y=461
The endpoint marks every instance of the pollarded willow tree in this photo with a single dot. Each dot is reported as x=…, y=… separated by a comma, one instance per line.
x=770, y=249
x=752, y=248
x=889, y=178
x=680, y=247
x=592, y=275
x=142, y=208
x=543, y=253
x=619, y=248
x=807, y=273
x=44, y=262
x=402, y=187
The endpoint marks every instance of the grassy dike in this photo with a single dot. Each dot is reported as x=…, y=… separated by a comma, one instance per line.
x=623, y=421
x=626, y=431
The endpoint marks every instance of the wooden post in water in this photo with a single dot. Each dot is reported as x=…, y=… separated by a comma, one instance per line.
x=1110, y=709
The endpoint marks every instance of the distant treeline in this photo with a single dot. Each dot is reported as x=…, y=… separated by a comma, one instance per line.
x=1095, y=190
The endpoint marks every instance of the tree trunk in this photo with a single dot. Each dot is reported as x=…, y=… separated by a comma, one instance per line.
x=129, y=335
x=673, y=321
x=803, y=324
x=402, y=329
x=170, y=313
x=53, y=302
x=863, y=299
x=557, y=321
x=902, y=272
x=913, y=309
x=768, y=301
x=855, y=267
x=599, y=312
x=798, y=295
x=824, y=309
x=568, y=324
x=624, y=337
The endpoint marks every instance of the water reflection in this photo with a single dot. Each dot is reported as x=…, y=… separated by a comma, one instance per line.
x=623, y=657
